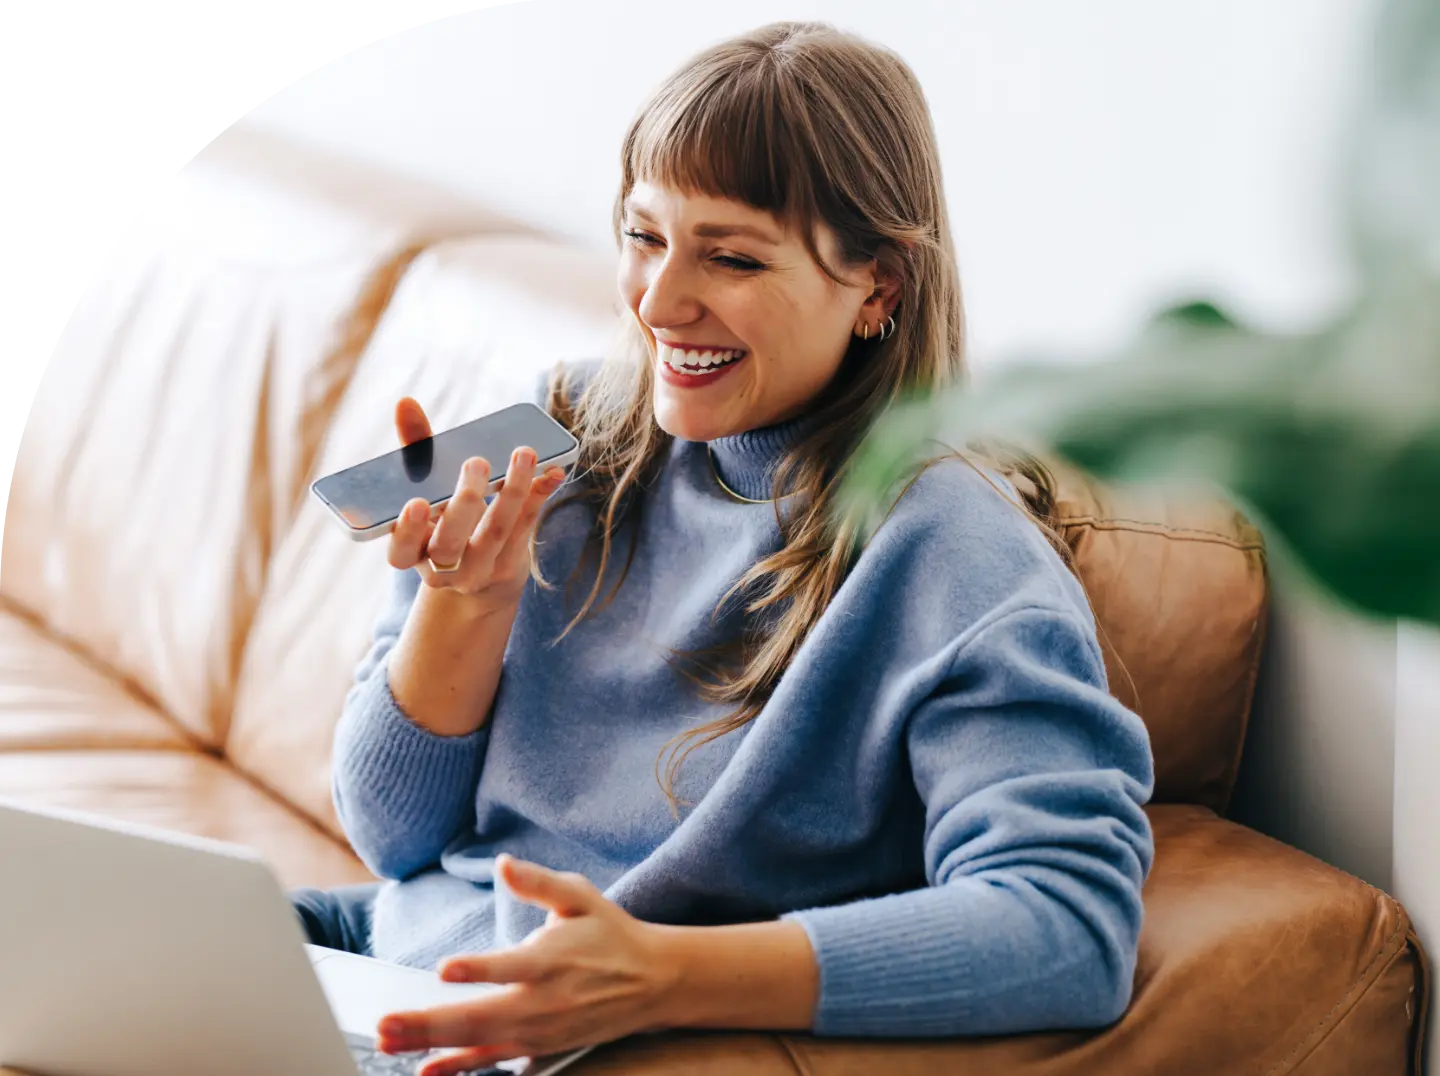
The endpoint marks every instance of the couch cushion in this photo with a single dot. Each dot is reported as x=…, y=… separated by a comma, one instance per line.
x=184, y=791
x=169, y=441
x=1254, y=958
x=1179, y=587
x=472, y=328
x=54, y=699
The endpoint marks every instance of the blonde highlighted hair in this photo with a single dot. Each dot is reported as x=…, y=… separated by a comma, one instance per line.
x=815, y=126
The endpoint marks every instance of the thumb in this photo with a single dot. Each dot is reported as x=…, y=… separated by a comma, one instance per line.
x=566, y=894
x=411, y=422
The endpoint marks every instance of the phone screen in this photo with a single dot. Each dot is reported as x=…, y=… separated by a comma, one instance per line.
x=374, y=492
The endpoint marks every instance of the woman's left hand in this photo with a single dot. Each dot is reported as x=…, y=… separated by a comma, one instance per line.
x=593, y=973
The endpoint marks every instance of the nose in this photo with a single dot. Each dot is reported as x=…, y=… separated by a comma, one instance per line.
x=672, y=296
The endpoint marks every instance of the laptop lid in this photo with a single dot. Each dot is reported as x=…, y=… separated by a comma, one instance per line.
x=126, y=951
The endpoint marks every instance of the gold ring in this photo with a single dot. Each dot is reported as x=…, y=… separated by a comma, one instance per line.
x=443, y=569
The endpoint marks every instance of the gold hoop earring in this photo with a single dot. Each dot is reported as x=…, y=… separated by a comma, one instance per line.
x=866, y=334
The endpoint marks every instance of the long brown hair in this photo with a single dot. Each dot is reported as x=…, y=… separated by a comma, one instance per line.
x=813, y=125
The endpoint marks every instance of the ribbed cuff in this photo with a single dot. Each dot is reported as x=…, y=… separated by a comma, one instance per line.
x=892, y=966
x=411, y=774
x=965, y=958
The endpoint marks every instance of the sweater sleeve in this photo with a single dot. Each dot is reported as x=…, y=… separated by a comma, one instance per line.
x=1032, y=778
x=401, y=792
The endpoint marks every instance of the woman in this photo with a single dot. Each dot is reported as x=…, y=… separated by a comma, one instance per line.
x=752, y=775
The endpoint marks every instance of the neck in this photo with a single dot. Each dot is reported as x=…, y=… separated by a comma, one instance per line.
x=746, y=461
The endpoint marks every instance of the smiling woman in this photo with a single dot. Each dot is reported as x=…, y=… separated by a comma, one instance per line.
x=775, y=325
x=758, y=775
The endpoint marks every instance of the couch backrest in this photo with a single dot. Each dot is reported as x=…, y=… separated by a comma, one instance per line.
x=166, y=451
x=472, y=328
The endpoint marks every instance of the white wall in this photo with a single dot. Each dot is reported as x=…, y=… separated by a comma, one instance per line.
x=1320, y=760
x=1100, y=158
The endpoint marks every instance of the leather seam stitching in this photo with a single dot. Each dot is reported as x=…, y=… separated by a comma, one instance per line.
x=784, y=1043
x=1138, y=526
x=1256, y=646
x=1390, y=960
x=1259, y=638
x=1421, y=989
x=1320, y=1029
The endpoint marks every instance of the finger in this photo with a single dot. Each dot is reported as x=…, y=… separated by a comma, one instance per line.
x=499, y=518
x=468, y=1060
x=517, y=549
x=496, y=525
x=515, y=965
x=411, y=422
x=566, y=894
x=551, y=479
x=555, y=475
x=540, y=492
x=540, y=489
x=407, y=540
x=458, y=521
x=480, y=1021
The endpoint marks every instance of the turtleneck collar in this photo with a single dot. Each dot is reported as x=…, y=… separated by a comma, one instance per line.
x=746, y=461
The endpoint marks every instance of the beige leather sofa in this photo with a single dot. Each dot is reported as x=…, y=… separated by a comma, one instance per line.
x=179, y=620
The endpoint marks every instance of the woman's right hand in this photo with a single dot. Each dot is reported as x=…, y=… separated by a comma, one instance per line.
x=489, y=543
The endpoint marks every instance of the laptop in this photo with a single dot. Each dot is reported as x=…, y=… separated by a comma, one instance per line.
x=130, y=951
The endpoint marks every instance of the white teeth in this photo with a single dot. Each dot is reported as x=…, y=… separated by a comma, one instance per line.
x=704, y=360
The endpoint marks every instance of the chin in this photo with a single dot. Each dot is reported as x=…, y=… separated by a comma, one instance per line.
x=684, y=422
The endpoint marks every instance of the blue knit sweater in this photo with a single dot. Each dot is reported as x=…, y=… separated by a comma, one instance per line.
x=940, y=791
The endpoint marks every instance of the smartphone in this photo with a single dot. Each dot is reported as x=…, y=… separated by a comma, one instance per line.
x=368, y=498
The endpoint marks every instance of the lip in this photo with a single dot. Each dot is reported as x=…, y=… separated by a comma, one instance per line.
x=681, y=345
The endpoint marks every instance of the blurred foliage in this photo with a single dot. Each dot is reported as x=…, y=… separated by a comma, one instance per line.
x=1330, y=440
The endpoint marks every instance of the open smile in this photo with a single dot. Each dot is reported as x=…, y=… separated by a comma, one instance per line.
x=692, y=367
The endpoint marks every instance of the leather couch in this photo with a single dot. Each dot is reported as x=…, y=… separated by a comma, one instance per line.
x=179, y=619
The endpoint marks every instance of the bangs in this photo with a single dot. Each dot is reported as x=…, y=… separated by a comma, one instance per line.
x=730, y=135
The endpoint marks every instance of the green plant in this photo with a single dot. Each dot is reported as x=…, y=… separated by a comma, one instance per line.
x=1331, y=440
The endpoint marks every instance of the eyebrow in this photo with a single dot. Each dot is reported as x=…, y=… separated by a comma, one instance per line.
x=715, y=231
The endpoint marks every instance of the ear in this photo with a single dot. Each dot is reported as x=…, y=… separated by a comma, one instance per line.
x=889, y=283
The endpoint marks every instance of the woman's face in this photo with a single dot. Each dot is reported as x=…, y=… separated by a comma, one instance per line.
x=723, y=287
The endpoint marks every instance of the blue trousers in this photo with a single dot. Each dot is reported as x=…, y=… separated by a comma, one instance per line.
x=337, y=918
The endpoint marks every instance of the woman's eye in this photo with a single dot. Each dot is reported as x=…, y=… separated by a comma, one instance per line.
x=739, y=264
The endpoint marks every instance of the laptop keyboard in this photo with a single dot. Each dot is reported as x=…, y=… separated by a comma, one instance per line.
x=370, y=1062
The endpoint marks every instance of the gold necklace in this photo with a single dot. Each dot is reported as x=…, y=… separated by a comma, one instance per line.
x=710, y=452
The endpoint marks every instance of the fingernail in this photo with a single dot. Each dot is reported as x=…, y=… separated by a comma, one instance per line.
x=391, y=1025
x=527, y=458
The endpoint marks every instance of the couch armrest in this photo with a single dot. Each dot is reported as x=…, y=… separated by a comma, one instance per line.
x=1255, y=958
